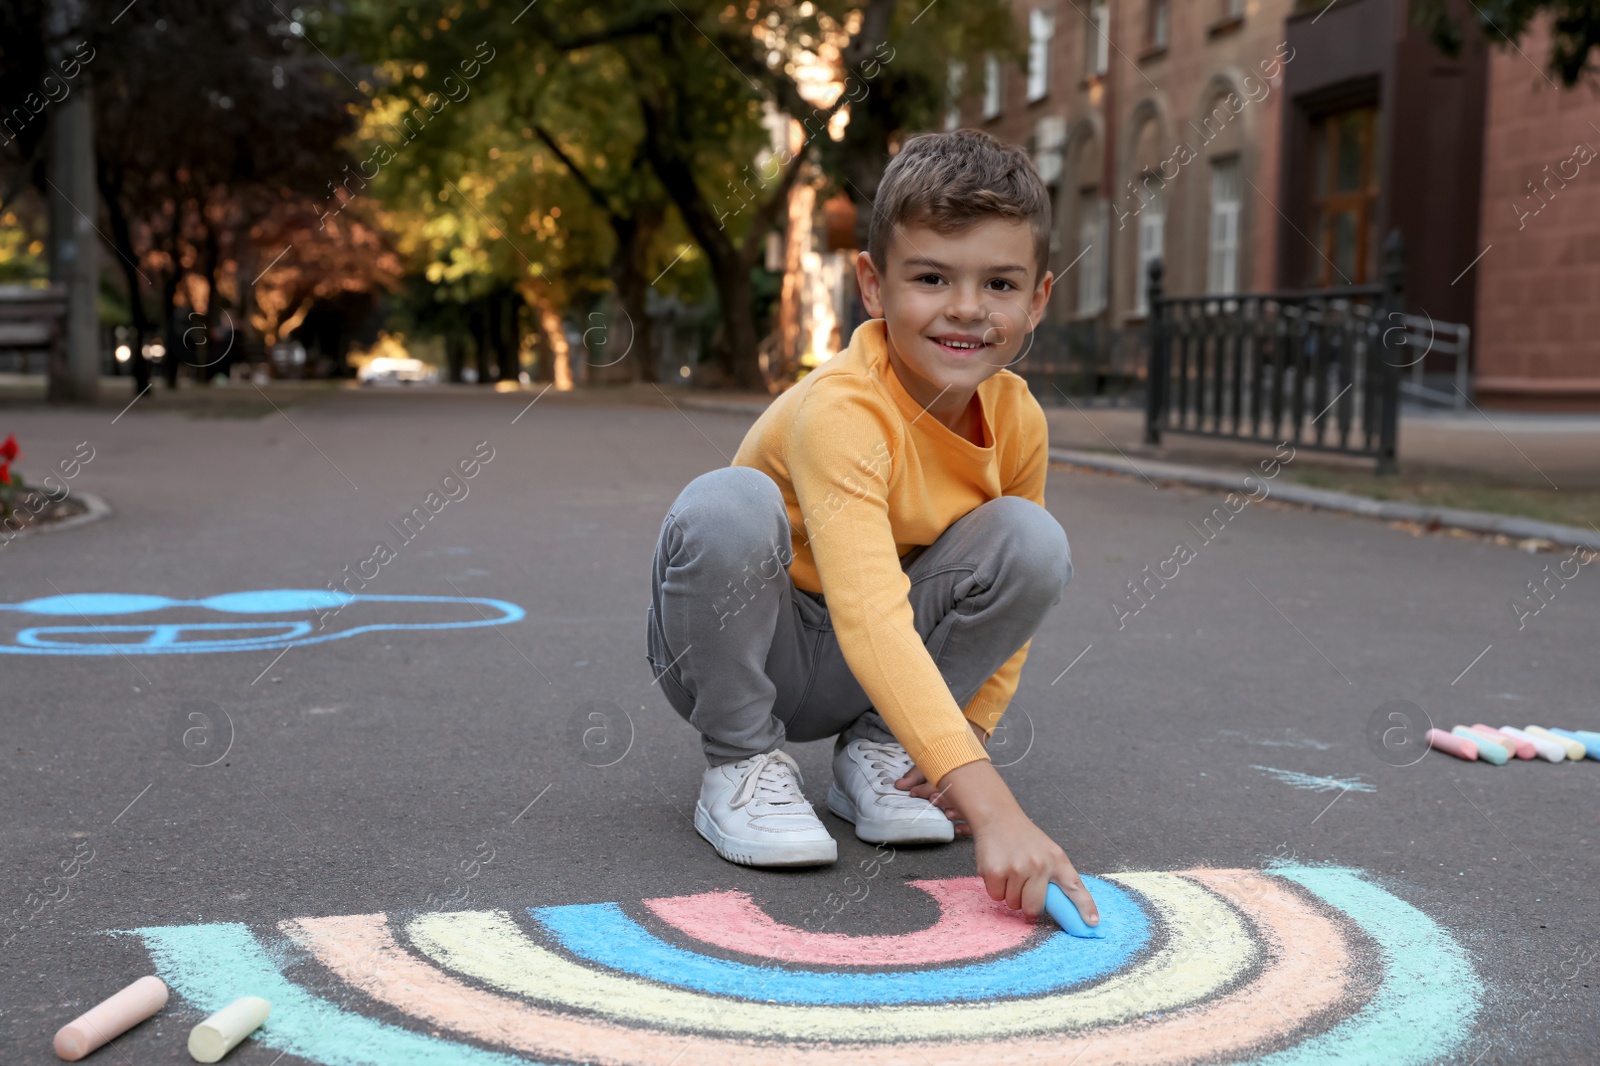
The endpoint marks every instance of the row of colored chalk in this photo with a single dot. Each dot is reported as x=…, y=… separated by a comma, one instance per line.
x=208, y=1042
x=1499, y=746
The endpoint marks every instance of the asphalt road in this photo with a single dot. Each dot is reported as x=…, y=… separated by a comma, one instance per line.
x=395, y=768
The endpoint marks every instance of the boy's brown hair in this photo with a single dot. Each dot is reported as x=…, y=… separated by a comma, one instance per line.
x=951, y=180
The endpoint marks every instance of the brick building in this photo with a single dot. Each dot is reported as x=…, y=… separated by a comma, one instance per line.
x=1261, y=145
x=1254, y=145
x=1151, y=121
x=1538, y=336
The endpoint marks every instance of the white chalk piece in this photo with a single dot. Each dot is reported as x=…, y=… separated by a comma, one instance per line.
x=220, y=1033
x=1548, y=750
x=110, y=1018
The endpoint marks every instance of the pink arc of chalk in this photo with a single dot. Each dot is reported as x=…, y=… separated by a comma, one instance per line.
x=970, y=926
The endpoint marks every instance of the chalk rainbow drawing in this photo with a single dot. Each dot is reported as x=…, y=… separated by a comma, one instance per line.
x=1291, y=966
x=315, y=608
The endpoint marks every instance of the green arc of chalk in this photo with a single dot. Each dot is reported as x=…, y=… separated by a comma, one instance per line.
x=212, y=965
x=1429, y=998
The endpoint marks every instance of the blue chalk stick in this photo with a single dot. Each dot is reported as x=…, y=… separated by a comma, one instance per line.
x=1590, y=741
x=1065, y=912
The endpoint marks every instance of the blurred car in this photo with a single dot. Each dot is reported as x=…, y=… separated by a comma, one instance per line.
x=389, y=371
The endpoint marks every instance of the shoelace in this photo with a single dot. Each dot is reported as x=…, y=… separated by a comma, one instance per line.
x=888, y=758
x=772, y=778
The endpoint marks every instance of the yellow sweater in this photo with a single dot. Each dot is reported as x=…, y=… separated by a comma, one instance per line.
x=866, y=476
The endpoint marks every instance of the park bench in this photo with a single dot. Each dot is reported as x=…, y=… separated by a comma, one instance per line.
x=33, y=328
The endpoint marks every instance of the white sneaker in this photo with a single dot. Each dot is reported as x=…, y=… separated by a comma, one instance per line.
x=863, y=792
x=753, y=812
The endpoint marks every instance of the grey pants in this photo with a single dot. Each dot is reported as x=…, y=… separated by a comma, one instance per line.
x=750, y=661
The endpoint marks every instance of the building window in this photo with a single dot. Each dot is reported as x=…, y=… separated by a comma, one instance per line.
x=1097, y=39
x=1152, y=235
x=1160, y=23
x=1049, y=141
x=1093, y=235
x=1344, y=196
x=1222, y=268
x=1041, y=27
x=991, y=86
x=954, y=75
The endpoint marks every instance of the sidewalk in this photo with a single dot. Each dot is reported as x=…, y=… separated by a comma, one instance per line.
x=1459, y=471
x=1531, y=451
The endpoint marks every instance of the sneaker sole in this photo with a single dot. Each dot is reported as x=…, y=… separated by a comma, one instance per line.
x=757, y=853
x=921, y=830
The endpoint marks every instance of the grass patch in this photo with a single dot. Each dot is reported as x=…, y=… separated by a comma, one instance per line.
x=1466, y=491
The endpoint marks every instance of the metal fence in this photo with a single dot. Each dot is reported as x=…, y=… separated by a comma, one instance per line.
x=1087, y=361
x=1316, y=368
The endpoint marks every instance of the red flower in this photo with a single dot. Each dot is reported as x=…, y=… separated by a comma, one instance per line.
x=8, y=449
x=5, y=473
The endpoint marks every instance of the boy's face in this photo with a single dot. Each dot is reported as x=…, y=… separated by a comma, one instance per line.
x=959, y=305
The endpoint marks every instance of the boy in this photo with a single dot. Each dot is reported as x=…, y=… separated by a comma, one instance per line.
x=875, y=561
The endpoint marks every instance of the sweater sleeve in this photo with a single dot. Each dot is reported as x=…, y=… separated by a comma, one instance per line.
x=990, y=703
x=845, y=442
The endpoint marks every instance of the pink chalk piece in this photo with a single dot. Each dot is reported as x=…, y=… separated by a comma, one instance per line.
x=970, y=926
x=110, y=1018
x=1451, y=744
x=1520, y=748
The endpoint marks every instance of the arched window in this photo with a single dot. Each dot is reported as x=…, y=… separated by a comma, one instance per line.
x=1152, y=240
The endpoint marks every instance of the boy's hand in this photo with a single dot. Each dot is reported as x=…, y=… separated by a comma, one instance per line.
x=1016, y=859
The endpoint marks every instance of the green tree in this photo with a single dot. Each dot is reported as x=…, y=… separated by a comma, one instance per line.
x=1574, y=28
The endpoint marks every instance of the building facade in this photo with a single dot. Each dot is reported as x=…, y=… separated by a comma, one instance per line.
x=1538, y=337
x=1253, y=145
x=1156, y=125
x=1274, y=145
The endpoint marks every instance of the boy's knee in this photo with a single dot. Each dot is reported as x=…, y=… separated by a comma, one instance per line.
x=735, y=510
x=1039, y=543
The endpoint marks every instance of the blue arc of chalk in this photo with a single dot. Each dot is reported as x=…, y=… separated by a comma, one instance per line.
x=164, y=638
x=1425, y=1008
x=212, y=965
x=601, y=933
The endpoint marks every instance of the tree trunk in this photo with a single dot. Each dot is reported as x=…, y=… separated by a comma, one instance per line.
x=737, y=298
x=210, y=354
x=170, y=337
x=480, y=340
x=628, y=269
x=509, y=335
x=728, y=267
x=454, y=356
x=122, y=238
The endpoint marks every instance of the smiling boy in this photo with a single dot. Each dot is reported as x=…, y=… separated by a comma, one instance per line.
x=875, y=561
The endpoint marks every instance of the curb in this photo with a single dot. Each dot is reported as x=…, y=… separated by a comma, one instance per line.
x=98, y=509
x=1324, y=499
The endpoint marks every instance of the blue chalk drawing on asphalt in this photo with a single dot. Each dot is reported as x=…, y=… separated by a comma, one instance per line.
x=1317, y=784
x=318, y=608
x=603, y=934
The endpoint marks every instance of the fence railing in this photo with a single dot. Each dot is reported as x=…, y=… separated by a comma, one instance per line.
x=1426, y=339
x=1084, y=360
x=1314, y=368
